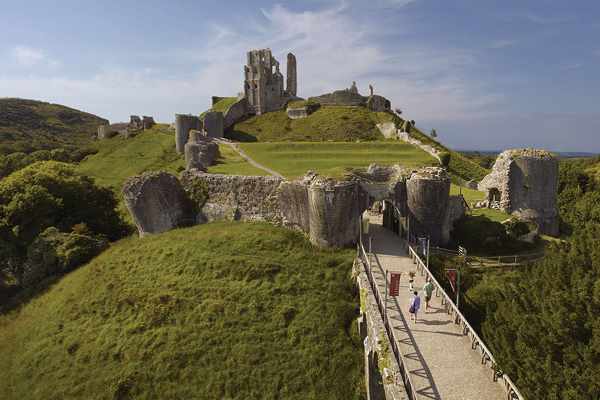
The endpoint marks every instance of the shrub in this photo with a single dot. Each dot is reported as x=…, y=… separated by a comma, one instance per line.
x=51, y=194
x=445, y=159
x=54, y=252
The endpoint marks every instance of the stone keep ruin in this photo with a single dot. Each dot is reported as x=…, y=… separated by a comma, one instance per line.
x=327, y=210
x=524, y=182
x=263, y=82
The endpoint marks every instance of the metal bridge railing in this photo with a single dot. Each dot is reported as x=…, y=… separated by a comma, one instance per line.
x=491, y=261
x=476, y=342
x=364, y=257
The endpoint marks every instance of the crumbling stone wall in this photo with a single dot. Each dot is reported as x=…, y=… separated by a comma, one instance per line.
x=147, y=122
x=112, y=130
x=457, y=208
x=157, y=202
x=213, y=124
x=200, y=152
x=235, y=113
x=527, y=180
x=326, y=210
x=378, y=103
x=183, y=124
x=238, y=197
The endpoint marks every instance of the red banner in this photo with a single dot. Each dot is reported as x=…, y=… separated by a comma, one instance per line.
x=451, y=275
x=394, y=283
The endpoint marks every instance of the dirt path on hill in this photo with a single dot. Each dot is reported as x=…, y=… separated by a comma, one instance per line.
x=246, y=157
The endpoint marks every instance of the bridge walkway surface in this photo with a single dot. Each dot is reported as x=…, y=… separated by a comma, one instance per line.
x=437, y=355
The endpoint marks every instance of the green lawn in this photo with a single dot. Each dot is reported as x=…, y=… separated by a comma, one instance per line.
x=293, y=160
x=231, y=163
x=218, y=311
x=471, y=196
x=328, y=123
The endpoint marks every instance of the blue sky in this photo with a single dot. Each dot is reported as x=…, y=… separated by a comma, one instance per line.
x=485, y=74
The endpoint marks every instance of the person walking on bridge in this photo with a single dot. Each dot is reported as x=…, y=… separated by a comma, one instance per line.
x=428, y=290
x=415, y=304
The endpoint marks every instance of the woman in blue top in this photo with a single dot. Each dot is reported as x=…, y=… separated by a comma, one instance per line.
x=415, y=304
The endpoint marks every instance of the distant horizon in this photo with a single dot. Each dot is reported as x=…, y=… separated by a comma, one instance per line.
x=484, y=75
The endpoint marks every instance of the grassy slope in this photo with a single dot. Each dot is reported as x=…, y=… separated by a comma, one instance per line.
x=332, y=159
x=329, y=123
x=120, y=158
x=27, y=125
x=460, y=166
x=225, y=310
x=154, y=149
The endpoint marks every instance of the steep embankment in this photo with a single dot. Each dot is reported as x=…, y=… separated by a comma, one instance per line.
x=224, y=310
x=460, y=166
x=28, y=125
x=328, y=123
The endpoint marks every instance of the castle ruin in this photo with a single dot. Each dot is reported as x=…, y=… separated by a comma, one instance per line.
x=524, y=182
x=263, y=82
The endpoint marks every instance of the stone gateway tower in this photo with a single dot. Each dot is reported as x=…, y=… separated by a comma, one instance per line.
x=263, y=82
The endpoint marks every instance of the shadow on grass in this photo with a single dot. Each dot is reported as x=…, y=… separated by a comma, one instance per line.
x=13, y=297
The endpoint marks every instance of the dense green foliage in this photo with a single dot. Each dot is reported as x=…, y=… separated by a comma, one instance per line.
x=485, y=160
x=293, y=160
x=543, y=321
x=217, y=311
x=28, y=125
x=15, y=161
x=50, y=194
x=483, y=236
x=328, y=123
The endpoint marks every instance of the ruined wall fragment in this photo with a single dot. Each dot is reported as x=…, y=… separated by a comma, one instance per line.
x=157, y=202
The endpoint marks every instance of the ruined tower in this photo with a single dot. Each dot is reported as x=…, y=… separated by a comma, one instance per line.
x=292, y=79
x=263, y=82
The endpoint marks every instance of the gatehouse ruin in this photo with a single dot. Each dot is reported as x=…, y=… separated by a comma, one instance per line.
x=328, y=211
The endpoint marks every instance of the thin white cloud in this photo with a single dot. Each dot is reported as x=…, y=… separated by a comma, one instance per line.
x=28, y=56
x=571, y=66
x=333, y=49
x=502, y=43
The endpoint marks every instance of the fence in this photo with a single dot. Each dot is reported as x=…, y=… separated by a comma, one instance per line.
x=492, y=261
x=364, y=257
x=467, y=330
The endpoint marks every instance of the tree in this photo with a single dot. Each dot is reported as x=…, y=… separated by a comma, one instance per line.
x=433, y=133
x=51, y=194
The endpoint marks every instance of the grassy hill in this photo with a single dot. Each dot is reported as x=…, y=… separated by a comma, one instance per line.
x=224, y=310
x=328, y=123
x=28, y=125
x=293, y=160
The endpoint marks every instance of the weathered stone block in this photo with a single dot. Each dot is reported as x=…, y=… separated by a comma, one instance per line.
x=213, y=124
x=200, y=152
x=157, y=202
